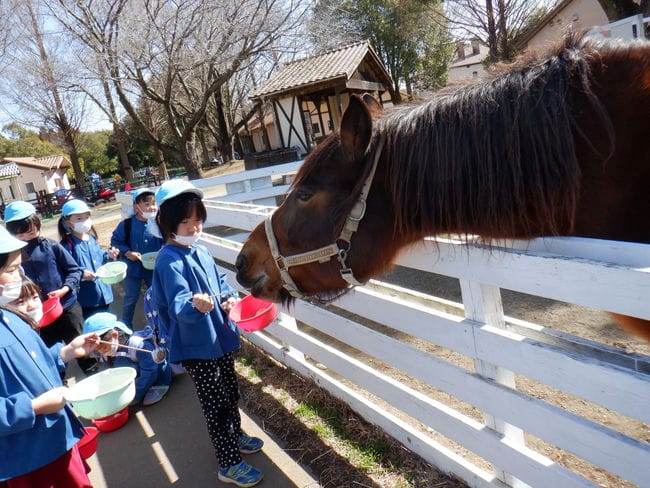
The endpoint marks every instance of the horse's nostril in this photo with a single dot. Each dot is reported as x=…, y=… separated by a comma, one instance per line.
x=241, y=263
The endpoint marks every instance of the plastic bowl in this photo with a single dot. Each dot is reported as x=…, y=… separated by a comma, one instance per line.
x=52, y=310
x=251, y=313
x=148, y=259
x=112, y=272
x=112, y=422
x=104, y=393
x=88, y=443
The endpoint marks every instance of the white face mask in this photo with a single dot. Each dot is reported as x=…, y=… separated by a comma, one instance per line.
x=187, y=240
x=153, y=229
x=10, y=292
x=36, y=314
x=83, y=226
x=115, y=342
x=148, y=215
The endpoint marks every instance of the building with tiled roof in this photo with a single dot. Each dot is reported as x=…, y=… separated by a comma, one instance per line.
x=24, y=178
x=307, y=96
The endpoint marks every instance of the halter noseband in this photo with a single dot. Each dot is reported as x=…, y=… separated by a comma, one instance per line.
x=324, y=254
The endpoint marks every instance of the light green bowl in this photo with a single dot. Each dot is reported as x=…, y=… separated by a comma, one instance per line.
x=112, y=272
x=148, y=260
x=104, y=393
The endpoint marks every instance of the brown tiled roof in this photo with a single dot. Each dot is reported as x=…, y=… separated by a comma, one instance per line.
x=48, y=162
x=329, y=65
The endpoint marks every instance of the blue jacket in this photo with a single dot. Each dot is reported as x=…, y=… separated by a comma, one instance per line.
x=140, y=240
x=28, y=369
x=180, y=273
x=149, y=373
x=90, y=256
x=50, y=266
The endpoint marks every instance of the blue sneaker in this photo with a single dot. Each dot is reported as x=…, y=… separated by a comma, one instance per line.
x=154, y=395
x=249, y=445
x=240, y=474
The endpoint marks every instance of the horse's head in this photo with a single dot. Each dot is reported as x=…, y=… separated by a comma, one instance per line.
x=313, y=218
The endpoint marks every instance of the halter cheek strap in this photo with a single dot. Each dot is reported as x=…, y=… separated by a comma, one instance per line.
x=325, y=253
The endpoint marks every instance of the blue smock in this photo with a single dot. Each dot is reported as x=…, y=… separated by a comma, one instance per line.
x=50, y=266
x=29, y=369
x=180, y=273
x=149, y=373
x=140, y=240
x=89, y=255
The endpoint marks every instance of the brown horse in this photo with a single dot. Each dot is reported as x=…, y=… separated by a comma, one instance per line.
x=554, y=146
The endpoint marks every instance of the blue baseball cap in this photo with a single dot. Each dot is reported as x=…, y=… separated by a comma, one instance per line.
x=18, y=210
x=9, y=243
x=102, y=322
x=173, y=188
x=142, y=191
x=72, y=207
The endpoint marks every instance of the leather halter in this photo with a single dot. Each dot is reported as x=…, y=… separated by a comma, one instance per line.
x=325, y=253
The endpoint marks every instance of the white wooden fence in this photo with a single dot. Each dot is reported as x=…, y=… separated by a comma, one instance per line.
x=489, y=399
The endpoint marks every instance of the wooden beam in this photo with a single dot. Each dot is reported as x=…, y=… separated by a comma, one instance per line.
x=365, y=85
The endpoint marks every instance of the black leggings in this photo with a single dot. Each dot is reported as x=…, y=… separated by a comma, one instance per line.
x=216, y=385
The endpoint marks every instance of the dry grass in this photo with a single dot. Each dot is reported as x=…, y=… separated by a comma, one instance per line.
x=323, y=433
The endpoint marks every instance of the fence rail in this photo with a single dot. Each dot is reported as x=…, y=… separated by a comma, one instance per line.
x=394, y=354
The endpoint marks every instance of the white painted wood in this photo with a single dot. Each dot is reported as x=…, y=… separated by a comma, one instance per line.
x=593, y=273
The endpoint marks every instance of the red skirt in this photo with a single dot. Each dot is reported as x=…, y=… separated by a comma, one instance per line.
x=68, y=471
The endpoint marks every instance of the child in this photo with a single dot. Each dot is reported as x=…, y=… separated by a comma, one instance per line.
x=38, y=430
x=132, y=238
x=54, y=270
x=200, y=334
x=153, y=378
x=29, y=304
x=79, y=237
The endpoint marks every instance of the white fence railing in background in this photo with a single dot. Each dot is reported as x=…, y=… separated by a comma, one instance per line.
x=420, y=356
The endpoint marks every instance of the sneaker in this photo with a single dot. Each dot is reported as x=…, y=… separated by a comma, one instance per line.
x=249, y=445
x=154, y=395
x=241, y=474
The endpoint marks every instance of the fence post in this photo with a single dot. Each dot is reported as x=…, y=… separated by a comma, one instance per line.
x=483, y=304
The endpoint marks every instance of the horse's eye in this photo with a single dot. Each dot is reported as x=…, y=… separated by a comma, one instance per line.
x=303, y=196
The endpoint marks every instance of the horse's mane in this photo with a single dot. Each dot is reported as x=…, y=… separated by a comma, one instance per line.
x=500, y=155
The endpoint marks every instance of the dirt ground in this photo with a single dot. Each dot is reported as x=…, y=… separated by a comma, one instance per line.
x=587, y=323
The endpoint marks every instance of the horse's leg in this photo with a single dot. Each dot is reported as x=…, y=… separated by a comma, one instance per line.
x=633, y=325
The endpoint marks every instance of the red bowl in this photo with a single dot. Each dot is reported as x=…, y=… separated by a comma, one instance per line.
x=112, y=422
x=52, y=310
x=251, y=313
x=88, y=443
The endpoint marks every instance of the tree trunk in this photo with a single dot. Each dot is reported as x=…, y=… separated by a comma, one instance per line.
x=223, y=141
x=492, y=32
x=119, y=137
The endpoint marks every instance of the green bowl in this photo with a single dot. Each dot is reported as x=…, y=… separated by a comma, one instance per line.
x=148, y=260
x=104, y=393
x=112, y=272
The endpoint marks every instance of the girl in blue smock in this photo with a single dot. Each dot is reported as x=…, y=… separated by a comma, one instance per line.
x=133, y=240
x=38, y=430
x=79, y=237
x=186, y=287
x=53, y=269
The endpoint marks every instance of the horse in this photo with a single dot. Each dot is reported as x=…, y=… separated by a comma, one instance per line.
x=554, y=145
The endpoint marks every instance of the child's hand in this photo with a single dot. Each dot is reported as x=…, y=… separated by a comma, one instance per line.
x=88, y=275
x=228, y=304
x=132, y=255
x=61, y=292
x=113, y=253
x=49, y=402
x=79, y=347
x=203, y=302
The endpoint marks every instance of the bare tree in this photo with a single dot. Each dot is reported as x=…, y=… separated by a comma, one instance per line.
x=495, y=23
x=176, y=55
x=41, y=92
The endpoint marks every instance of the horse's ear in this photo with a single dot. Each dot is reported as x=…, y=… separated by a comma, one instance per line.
x=356, y=129
x=373, y=105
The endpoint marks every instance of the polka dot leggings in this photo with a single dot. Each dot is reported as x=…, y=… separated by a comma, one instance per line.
x=216, y=385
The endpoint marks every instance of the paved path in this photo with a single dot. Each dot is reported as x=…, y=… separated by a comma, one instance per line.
x=167, y=444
